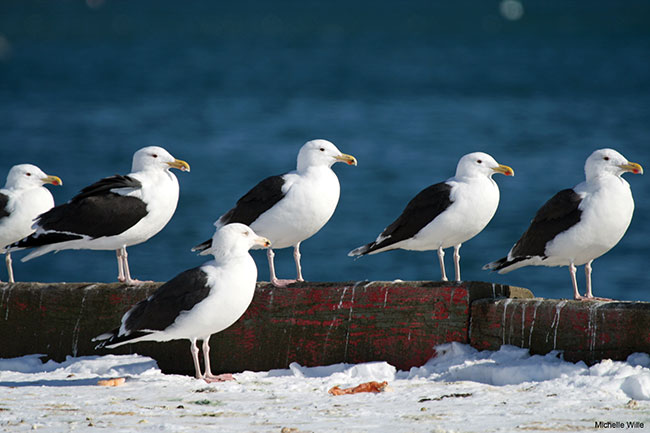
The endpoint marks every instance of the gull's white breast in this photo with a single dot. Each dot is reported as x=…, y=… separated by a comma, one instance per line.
x=607, y=209
x=310, y=202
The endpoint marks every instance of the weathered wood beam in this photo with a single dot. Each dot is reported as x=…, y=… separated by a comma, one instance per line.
x=309, y=323
x=582, y=330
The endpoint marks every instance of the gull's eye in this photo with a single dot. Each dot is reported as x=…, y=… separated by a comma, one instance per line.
x=154, y=155
x=478, y=161
x=606, y=158
x=246, y=233
x=28, y=174
x=322, y=149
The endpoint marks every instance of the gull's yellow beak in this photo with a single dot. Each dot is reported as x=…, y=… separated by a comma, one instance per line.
x=348, y=159
x=179, y=164
x=54, y=180
x=632, y=167
x=504, y=169
x=263, y=242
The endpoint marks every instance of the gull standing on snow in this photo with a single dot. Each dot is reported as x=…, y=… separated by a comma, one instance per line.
x=580, y=224
x=198, y=302
x=291, y=207
x=21, y=200
x=445, y=214
x=113, y=213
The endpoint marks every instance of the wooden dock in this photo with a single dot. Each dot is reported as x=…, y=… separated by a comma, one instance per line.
x=325, y=323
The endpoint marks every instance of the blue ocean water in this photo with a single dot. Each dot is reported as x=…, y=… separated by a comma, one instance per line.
x=408, y=88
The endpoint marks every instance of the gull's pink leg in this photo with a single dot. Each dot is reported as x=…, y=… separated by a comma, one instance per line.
x=194, y=350
x=208, y=376
x=574, y=281
x=296, y=258
x=270, y=255
x=274, y=280
x=588, y=279
x=10, y=269
x=120, y=266
x=457, y=261
x=441, y=259
x=127, y=273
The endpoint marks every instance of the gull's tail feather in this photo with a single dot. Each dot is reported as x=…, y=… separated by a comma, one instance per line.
x=496, y=265
x=105, y=338
x=42, y=242
x=362, y=250
x=202, y=246
x=112, y=338
x=507, y=264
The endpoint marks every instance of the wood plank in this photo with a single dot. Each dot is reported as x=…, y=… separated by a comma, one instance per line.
x=586, y=331
x=309, y=323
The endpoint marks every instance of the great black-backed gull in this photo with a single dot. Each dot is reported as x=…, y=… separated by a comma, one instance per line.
x=291, y=207
x=580, y=224
x=445, y=214
x=198, y=302
x=113, y=213
x=22, y=199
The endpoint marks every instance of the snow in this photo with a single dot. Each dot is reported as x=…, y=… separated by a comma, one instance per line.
x=460, y=390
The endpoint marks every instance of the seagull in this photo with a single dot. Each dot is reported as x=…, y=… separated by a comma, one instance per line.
x=579, y=224
x=198, y=302
x=113, y=213
x=22, y=199
x=291, y=207
x=445, y=214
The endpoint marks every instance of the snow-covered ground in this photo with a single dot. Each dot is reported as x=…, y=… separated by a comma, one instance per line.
x=461, y=390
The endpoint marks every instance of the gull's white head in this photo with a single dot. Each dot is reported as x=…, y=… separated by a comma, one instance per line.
x=234, y=239
x=321, y=153
x=155, y=157
x=609, y=161
x=25, y=176
x=480, y=163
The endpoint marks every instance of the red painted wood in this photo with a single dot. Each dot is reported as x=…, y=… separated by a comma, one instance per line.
x=310, y=323
x=347, y=323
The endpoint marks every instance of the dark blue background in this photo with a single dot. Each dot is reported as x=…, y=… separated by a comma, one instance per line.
x=406, y=87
